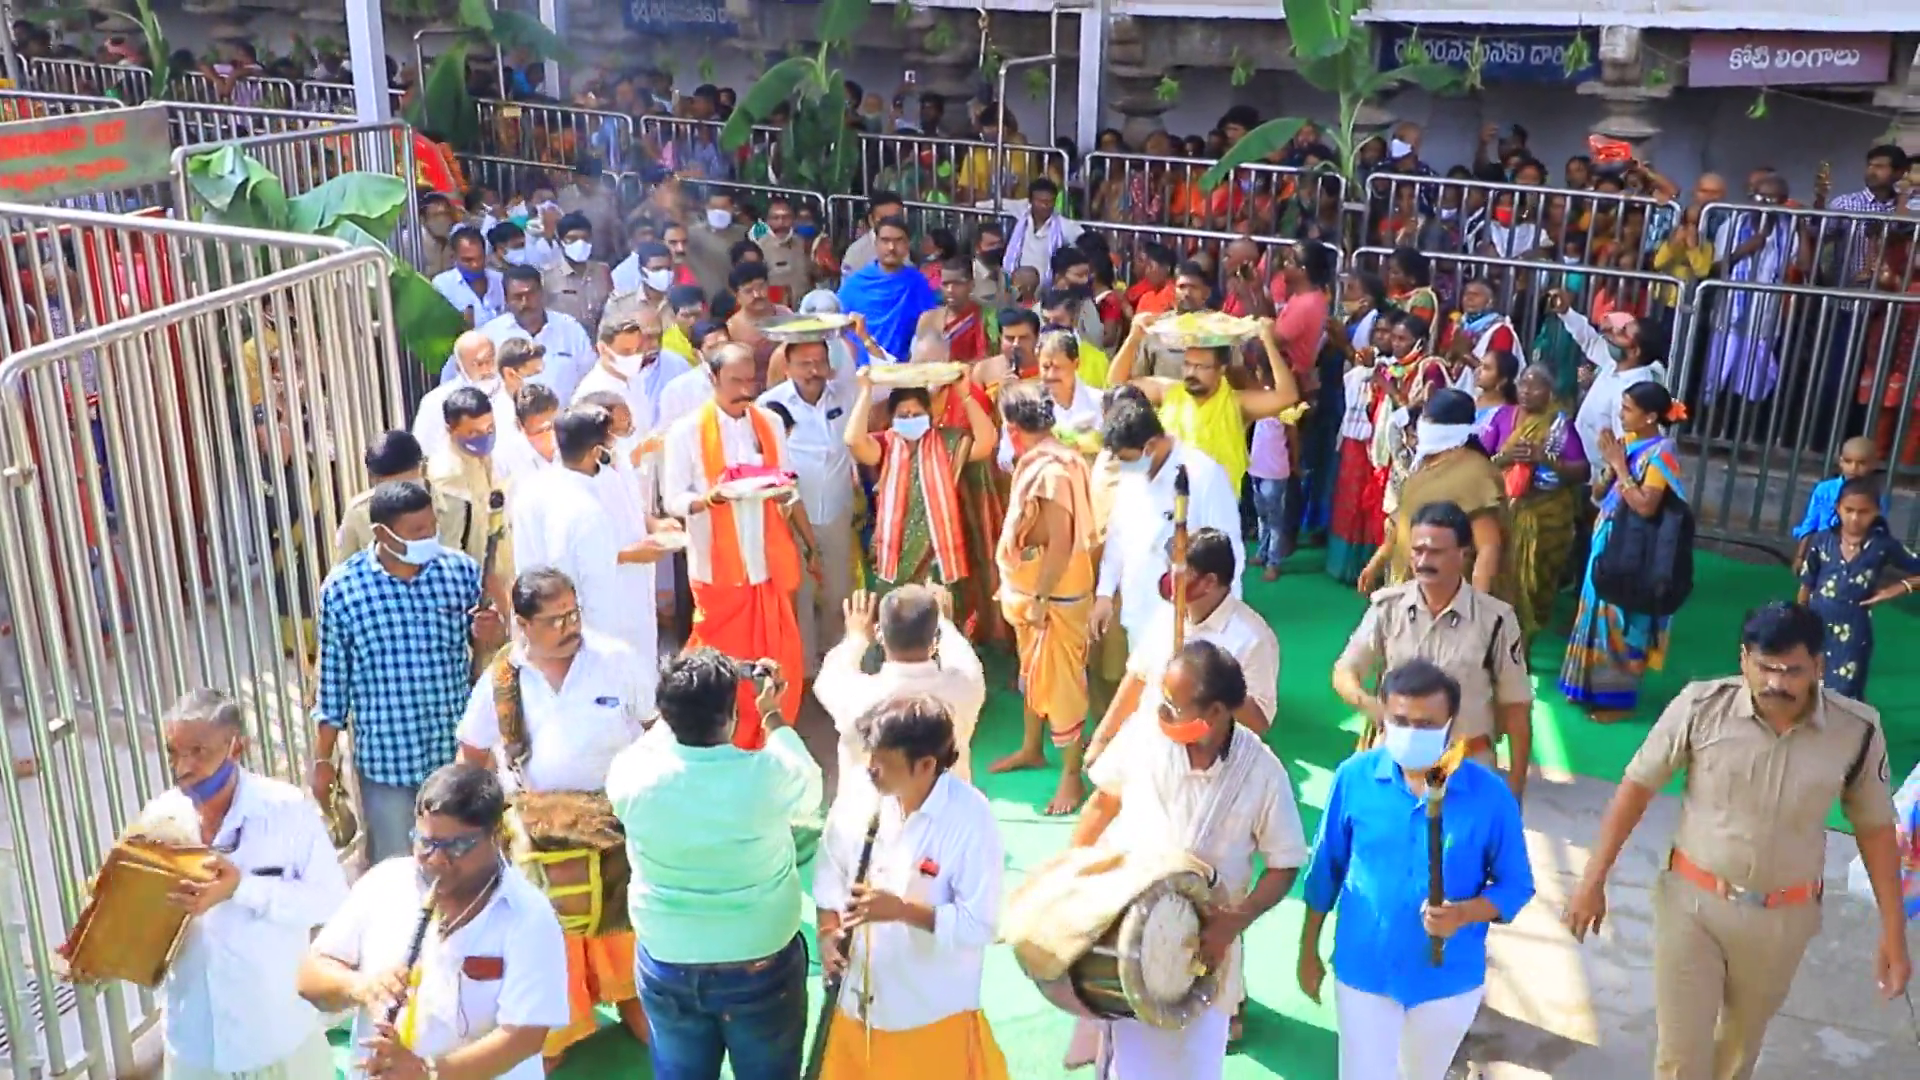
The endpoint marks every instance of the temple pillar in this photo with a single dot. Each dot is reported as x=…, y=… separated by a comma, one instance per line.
x=1627, y=102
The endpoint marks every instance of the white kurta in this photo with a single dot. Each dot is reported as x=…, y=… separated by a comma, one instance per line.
x=632, y=616
x=430, y=422
x=575, y=729
x=956, y=680
x=1142, y=525
x=683, y=482
x=560, y=522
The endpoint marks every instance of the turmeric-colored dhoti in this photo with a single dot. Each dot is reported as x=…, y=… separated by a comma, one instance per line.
x=961, y=1047
x=1053, y=660
x=599, y=972
x=748, y=623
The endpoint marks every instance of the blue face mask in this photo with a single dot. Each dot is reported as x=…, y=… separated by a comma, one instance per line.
x=479, y=445
x=912, y=428
x=202, y=790
x=1416, y=748
x=806, y=231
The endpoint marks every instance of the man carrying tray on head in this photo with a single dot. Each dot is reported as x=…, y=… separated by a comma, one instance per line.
x=549, y=715
x=1200, y=783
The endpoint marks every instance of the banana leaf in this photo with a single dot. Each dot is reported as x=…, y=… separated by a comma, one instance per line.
x=1255, y=145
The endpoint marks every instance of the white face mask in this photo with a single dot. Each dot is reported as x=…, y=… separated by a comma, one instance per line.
x=577, y=250
x=719, y=219
x=517, y=210
x=623, y=448
x=657, y=280
x=629, y=365
x=518, y=257
x=415, y=552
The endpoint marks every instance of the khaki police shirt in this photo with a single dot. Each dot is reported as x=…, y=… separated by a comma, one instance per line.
x=1398, y=627
x=580, y=291
x=471, y=479
x=1755, y=807
x=789, y=266
x=461, y=525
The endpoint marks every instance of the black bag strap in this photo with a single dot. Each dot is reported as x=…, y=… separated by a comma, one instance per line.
x=1859, y=759
x=1493, y=643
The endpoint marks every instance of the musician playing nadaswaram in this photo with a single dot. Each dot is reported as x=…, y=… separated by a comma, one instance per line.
x=490, y=978
x=550, y=714
x=231, y=1003
x=1196, y=781
x=922, y=917
x=1402, y=1016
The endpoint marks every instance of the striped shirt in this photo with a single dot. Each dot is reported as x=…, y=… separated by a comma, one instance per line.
x=1857, y=239
x=394, y=658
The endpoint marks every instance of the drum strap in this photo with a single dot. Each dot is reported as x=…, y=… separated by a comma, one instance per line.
x=1221, y=793
x=510, y=715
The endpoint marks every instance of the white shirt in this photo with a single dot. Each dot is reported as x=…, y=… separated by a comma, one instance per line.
x=643, y=392
x=1235, y=627
x=1600, y=409
x=570, y=351
x=1162, y=797
x=486, y=305
x=818, y=445
x=1082, y=414
x=575, y=729
x=682, y=395
x=947, y=855
x=956, y=680
x=1035, y=252
x=514, y=458
x=430, y=423
x=1137, y=536
x=626, y=497
x=231, y=1005
x=507, y=967
x=683, y=481
x=560, y=522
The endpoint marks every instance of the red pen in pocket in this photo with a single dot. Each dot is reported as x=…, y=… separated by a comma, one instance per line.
x=929, y=868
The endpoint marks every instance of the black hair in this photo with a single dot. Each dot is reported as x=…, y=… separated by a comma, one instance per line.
x=1412, y=265
x=723, y=306
x=1028, y=408
x=1445, y=515
x=574, y=222
x=533, y=589
x=1192, y=269
x=1371, y=284
x=884, y=198
x=1508, y=365
x=741, y=249
x=1780, y=627
x=891, y=221
x=1218, y=675
x=1416, y=325
x=698, y=695
x=1060, y=296
x=1018, y=316
x=651, y=250
x=516, y=353
x=903, y=394
x=396, y=499
x=705, y=328
x=1159, y=253
x=944, y=243
x=534, y=399
x=469, y=794
x=918, y=726
x=581, y=430
x=504, y=233
x=685, y=296
x=1319, y=263
x=1130, y=425
x=1210, y=552
x=392, y=453
x=909, y=619
x=1866, y=486
x=746, y=273
x=467, y=234
x=520, y=273
x=1042, y=185
x=1114, y=395
x=1245, y=116
x=1422, y=678
x=1892, y=155
x=465, y=403
x=1651, y=397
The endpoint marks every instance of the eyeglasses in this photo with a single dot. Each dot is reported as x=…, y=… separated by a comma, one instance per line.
x=559, y=621
x=455, y=848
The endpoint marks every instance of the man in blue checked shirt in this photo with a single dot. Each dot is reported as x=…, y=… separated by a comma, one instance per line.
x=400, y=623
x=1401, y=1016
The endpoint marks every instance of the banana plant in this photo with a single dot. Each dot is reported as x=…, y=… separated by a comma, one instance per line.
x=159, y=50
x=231, y=188
x=443, y=104
x=1337, y=55
x=817, y=151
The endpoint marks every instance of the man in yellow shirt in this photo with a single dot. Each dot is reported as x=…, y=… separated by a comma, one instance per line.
x=977, y=182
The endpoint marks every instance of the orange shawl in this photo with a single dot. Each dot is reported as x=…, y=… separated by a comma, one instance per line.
x=783, y=555
x=896, y=503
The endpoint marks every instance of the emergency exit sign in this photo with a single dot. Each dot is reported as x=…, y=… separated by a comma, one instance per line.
x=57, y=157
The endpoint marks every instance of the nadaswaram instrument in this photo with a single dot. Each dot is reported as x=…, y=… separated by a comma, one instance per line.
x=830, y=1005
x=1177, y=563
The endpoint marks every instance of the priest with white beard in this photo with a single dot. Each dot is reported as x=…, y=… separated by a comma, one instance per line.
x=475, y=364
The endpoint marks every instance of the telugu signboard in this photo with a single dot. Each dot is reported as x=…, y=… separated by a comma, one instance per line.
x=57, y=157
x=708, y=17
x=1756, y=59
x=1516, y=58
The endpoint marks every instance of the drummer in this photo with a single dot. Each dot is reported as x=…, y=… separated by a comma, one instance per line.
x=1197, y=775
x=578, y=698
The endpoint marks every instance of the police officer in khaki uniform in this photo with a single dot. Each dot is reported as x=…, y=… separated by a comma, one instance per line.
x=1470, y=635
x=395, y=455
x=1766, y=754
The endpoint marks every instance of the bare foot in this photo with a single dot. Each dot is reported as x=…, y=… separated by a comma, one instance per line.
x=551, y=1063
x=1068, y=796
x=1272, y=574
x=1609, y=716
x=1027, y=757
x=634, y=1019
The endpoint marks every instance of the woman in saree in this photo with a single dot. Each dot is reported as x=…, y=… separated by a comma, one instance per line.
x=1544, y=470
x=1495, y=378
x=918, y=535
x=1448, y=465
x=1410, y=284
x=1610, y=650
x=1355, y=524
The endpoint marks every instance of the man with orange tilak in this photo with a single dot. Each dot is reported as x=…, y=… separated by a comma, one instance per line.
x=742, y=559
x=1046, y=587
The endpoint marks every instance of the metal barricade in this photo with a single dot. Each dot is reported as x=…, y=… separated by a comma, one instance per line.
x=554, y=135
x=847, y=219
x=337, y=97
x=130, y=85
x=682, y=145
x=1126, y=241
x=196, y=86
x=1593, y=227
x=1778, y=376
x=1147, y=189
x=264, y=92
x=1520, y=288
x=195, y=123
x=505, y=175
x=171, y=478
x=921, y=168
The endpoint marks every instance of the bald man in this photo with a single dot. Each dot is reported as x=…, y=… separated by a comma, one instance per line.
x=743, y=558
x=475, y=365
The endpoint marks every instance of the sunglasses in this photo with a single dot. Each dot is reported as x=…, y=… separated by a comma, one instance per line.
x=455, y=848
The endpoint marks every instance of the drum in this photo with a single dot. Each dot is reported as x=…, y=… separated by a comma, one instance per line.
x=571, y=846
x=1146, y=965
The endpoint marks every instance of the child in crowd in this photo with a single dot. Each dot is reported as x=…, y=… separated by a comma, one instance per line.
x=1858, y=458
x=1269, y=468
x=1840, y=572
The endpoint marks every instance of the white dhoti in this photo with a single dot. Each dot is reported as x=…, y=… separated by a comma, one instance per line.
x=1143, y=1052
x=312, y=1060
x=1381, y=1039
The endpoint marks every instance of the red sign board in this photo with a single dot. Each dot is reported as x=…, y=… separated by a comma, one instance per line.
x=56, y=157
x=1746, y=58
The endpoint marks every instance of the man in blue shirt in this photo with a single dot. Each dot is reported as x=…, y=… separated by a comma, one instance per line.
x=1402, y=1016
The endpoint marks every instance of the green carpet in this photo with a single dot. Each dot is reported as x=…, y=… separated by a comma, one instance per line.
x=1287, y=1037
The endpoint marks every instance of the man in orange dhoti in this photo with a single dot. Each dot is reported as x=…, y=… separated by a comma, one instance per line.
x=742, y=559
x=1046, y=587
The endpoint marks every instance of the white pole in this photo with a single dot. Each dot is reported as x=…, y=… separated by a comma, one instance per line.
x=550, y=15
x=367, y=51
x=1093, y=65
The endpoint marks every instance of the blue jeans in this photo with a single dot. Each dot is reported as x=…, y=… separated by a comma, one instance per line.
x=389, y=819
x=1272, y=542
x=754, y=1014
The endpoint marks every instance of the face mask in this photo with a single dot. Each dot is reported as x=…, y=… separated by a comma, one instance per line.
x=912, y=428
x=719, y=219
x=806, y=230
x=1448, y=213
x=1503, y=215
x=416, y=552
x=1184, y=732
x=657, y=280
x=577, y=250
x=992, y=259
x=624, y=446
x=628, y=365
x=1416, y=748
x=479, y=445
x=516, y=257
x=473, y=277
x=1617, y=351
x=1194, y=588
x=201, y=790
x=439, y=229
x=1141, y=466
